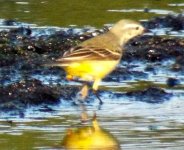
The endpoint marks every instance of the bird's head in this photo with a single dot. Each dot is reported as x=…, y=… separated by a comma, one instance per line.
x=126, y=30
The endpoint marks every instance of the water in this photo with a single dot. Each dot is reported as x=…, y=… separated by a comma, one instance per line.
x=79, y=12
x=136, y=125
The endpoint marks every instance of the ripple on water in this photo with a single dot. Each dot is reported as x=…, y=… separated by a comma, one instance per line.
x=155, y=11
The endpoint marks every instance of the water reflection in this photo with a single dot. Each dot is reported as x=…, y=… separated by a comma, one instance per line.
x=90, y=137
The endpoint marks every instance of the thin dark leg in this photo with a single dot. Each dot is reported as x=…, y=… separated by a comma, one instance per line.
x=98, y=97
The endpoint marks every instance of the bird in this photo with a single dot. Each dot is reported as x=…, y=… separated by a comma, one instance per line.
x=93, y=59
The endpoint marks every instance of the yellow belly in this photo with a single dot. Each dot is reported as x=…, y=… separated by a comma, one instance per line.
x=90, y=70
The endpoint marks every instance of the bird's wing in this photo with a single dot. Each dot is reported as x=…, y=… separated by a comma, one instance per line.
x=89, y=53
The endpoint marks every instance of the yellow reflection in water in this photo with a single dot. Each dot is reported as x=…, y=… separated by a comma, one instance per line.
x=91, y=137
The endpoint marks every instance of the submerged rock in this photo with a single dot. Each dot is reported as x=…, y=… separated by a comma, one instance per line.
x=150, y=95
x=121, y=74
x=171, y=82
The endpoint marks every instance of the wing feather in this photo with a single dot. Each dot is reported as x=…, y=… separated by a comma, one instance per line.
x=88, y=53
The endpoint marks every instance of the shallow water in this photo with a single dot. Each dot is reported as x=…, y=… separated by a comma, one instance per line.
x=136, y=125
x=79, y=12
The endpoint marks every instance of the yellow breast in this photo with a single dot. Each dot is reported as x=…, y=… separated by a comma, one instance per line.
x=91, y=70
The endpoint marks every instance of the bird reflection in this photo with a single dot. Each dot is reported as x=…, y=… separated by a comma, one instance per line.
x=91, y=137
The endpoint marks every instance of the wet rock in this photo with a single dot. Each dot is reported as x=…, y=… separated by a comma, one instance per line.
x=153, y=48
x=18, y=43
x=150, y=95
x=176, y=22
x=171, y=82
x=150, y=68
x=9, y=22
x=58, y=42
x=69, y=92
x=177, y=67
x=179, y=64
x=121, y=74
x=180, y=60
x=19, y=96
x=31, y=92
x=21, y=32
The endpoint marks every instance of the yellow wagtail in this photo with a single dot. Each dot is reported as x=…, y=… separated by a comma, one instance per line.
x=94, y=58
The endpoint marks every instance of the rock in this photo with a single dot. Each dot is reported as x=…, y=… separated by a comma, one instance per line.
x=25, y=93
x=153, y=48
x=171, y=82
x=176, y=22
x=150, y=95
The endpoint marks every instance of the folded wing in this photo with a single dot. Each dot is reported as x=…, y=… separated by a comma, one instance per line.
x=88, y=53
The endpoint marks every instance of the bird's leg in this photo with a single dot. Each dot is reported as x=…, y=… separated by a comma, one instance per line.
x=95, y=88
x=98, y=97
x=84, y=91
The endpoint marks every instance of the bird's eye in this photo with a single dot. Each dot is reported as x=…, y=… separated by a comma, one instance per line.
x=137, y=28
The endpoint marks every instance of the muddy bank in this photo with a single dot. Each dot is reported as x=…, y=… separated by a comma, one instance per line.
x=23, y=50
x=154, y=48
x=20, y=95
x=26, y=93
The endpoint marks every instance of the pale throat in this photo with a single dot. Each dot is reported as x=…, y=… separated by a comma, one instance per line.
x=121, y=38
x=123, y=41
